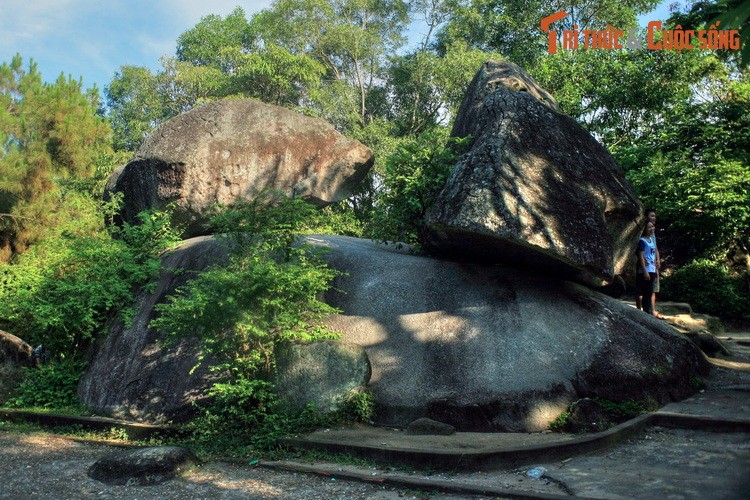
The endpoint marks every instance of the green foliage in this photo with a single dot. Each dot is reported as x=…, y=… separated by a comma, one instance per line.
x=624, y=96
x=339, y=219
x=64, y=290
x=357, y=406
x=49, y=132
x=709, y=288
x=705, y=206
x=619, y=411
x=427, y=88
x=560, y=423
x=243, y=418
x=512, y=27
x=697, y=383
x=412, y=178
x=51, y=385
x=612, y=413
x=725, y=14
x=266, y=293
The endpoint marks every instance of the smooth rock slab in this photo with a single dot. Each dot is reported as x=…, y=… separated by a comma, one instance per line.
x=143, y=467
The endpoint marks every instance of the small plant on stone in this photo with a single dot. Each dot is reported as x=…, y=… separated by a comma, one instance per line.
x=697, y=383
x=357, y=406
x=561, y=422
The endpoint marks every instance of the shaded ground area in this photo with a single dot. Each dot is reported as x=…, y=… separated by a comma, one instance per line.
x=44, y=466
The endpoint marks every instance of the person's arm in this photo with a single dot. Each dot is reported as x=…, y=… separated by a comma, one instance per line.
x=642, y=262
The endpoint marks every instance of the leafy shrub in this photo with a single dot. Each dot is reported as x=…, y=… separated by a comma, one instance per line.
x=413, y=177
x=703, y=207
x=244, y=417
x=50, y=385
x=610, y=413
x=64, y=289
x=357, y=406
x=709, y=288
x=265, y=294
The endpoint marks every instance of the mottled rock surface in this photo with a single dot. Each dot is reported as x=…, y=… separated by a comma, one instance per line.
x=491, y=348
x=482, y=348
x=534, y=188
x=321, y=372
x=15, y=357
x=227, y=151
x=14, y=350
x=131, y=375
x=143, y=466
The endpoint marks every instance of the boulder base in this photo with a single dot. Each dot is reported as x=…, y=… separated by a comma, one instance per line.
x=321, y=373
x=482, y=348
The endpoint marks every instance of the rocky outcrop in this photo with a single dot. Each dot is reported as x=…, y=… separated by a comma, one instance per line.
x=535, y=188
x=14, y=350
x=226, y=151
x=495, y=348
x=477, y=347
x=131, y=375
x=321, y=373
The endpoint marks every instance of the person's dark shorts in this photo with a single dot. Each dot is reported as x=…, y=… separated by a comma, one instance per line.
x=645, y=287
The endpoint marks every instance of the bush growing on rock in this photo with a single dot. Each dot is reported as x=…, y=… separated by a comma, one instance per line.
x=266, y=294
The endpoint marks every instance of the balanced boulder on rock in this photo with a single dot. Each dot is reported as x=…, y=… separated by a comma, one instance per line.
x=227, y=151
x=534, y=188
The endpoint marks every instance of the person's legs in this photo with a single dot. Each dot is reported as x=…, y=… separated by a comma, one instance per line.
x=653, y=297
x=647, y=292
x=638, y=291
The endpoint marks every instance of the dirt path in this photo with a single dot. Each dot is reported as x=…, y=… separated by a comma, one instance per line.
x=45, y=466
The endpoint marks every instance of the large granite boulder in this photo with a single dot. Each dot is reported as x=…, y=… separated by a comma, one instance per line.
x=226, y=151
x=534, y=188
x=132, y=375
x=490, y=348
x=477, y=347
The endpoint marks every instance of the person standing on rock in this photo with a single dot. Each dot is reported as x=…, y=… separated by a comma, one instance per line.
x=651, y=217
x=645, y=275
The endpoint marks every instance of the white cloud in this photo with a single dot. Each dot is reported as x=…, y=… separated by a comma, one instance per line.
x=23, y=20
x=93, y=38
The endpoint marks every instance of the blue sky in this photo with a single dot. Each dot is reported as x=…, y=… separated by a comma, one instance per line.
x=93, y=38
